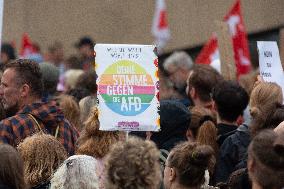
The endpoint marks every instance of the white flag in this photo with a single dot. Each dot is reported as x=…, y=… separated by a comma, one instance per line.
x=160, y=28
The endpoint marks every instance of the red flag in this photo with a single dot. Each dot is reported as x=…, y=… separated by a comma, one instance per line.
x=160, y=29
x=209, y=52
x=26, y=47
x=28, y=50
x=239, y=39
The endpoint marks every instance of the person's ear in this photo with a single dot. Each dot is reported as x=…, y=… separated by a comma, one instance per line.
x=251, y=165
x=214, y=106
x=192, y=93
x=25, y=90
x=172, y=176
x=240, y=120
x=189, y=135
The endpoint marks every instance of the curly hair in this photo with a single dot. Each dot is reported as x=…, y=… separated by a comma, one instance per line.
x=94, y=142
x=133, y=164
x=42, y=155
x=28, y=72
x=78, y=171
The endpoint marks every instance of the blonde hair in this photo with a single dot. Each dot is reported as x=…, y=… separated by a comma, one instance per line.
x=264, y=99
x=78, y=171
x=247, y=81
x=133, y=164
x=42, y=155
x=264, y=95
x=94, y=142
x=71, y=77
x=86, y=105
x=70, y=110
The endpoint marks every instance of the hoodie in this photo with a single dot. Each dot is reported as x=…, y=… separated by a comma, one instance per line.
x=175, y=118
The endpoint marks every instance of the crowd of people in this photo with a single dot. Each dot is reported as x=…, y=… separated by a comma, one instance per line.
x=215, y=133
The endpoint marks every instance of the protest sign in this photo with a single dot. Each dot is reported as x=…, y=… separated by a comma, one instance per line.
x=269, y=63
x=128, y=87
x=228, y=67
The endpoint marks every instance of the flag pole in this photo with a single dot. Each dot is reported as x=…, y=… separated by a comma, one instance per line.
x=228, y=66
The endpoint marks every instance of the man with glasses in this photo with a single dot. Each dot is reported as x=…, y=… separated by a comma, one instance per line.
x=177, y=66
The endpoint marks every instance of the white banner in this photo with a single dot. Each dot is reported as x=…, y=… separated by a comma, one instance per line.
x=269, y=63
x=128, y=87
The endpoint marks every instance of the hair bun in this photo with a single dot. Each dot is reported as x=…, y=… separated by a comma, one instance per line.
x=202, y=155
x=254, y=111
x=278, y=145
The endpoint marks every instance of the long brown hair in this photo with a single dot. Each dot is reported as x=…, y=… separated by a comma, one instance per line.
x=203, y=126
x=11, y=167
x=94, y=142
x=70, y=109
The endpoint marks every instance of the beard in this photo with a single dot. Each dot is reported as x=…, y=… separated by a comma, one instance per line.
x=11, y=110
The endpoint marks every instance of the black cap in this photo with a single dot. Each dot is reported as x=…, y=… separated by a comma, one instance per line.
x=85, y=41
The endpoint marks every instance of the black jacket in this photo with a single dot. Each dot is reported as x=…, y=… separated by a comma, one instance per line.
x=224, y=131
x=232, y=153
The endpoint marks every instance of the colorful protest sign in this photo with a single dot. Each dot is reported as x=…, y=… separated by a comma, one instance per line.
x=128, y=87
x=269, y=63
